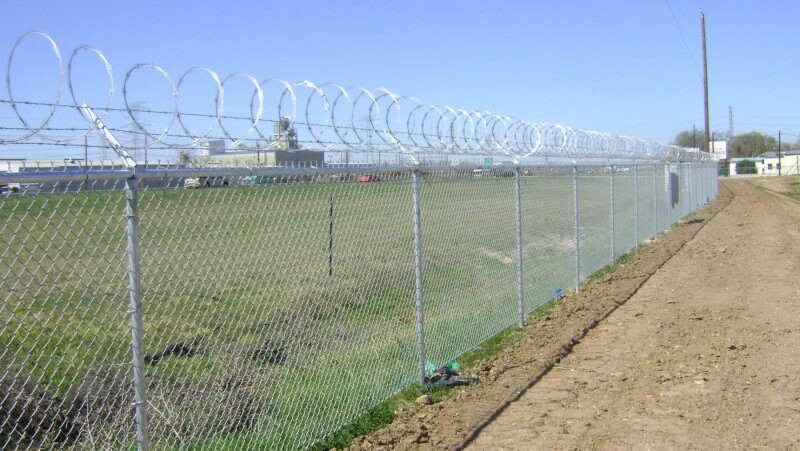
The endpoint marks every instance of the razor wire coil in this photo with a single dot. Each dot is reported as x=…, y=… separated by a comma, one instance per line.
x=331, y=117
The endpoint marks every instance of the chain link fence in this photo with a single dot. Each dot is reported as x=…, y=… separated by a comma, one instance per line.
x=273, y=307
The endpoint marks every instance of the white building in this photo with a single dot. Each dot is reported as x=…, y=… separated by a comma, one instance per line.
x=789, y=163
x=767, y=163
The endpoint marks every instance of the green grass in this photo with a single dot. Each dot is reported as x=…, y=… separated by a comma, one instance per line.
x=244, y=270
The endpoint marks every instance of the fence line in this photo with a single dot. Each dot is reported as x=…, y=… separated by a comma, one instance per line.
x=271, y=306
x=257, y=318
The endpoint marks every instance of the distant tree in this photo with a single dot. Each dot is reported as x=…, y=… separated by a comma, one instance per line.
x=695, y=138
x=788, y=145
x=689, y=138
x=751, y=144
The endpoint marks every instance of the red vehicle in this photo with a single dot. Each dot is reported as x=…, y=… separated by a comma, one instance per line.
x=366, y=178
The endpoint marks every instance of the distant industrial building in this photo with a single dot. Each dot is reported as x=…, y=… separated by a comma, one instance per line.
x=266, y=158
x=283, y=149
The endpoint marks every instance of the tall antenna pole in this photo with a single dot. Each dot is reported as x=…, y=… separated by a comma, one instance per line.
x=730, y=122
x=705, y=80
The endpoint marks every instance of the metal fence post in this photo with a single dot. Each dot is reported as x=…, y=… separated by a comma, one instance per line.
x=134, y=282
x=693, y=200
x=699, y=179
x=701, y=183
x=613, y=238
x=713, y=176
x=418, y=274
x=577, y=228
x=696, y=186
x=703, y=177
x=655, y=201
x=693, y=175
x=685, y=190
x=136, y=314
x=715, y=184
x=518, y=188
x=670, y=194
x=636, y=202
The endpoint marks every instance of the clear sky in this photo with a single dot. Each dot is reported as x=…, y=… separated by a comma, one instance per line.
x=617, y=66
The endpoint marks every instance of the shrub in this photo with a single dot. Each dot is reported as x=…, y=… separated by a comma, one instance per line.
x=746, y=167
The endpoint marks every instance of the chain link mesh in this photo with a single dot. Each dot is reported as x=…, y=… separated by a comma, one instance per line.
x=63, y=324
x=548, y=234
x=469, y=258
x=624, y=210
x=663, y=207
x=284, y=308
x=594, y=219
x=646, y=205
x=279, y=308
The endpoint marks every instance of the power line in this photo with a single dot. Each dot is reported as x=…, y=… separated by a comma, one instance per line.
x=683, y=38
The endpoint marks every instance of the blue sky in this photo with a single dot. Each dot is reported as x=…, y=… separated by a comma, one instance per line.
x=615, y=66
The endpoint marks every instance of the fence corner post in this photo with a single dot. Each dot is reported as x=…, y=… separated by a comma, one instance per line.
x=520, y=293
x=415, y=194
x=136, y=313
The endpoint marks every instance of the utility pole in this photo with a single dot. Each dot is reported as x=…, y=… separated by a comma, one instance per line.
x=705, y=79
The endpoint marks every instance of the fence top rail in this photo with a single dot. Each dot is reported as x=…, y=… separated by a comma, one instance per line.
x=308, y=115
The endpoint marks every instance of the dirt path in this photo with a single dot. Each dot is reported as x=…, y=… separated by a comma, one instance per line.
x=705, y=355
x=695, y=343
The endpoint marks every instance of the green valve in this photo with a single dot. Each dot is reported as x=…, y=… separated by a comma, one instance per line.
x=430, y=367
x=453, y=365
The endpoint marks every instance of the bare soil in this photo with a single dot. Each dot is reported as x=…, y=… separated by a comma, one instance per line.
x=694, y=343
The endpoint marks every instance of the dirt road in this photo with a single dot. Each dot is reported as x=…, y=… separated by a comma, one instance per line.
x=705, y=355
x=695, y=343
